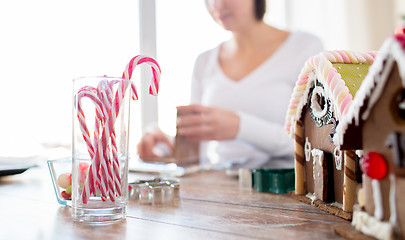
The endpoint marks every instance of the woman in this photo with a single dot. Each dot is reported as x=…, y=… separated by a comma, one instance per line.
x=241, y=89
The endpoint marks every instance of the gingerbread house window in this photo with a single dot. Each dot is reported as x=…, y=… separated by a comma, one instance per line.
x=399, y=106
x=396, y=141
x=320, y=106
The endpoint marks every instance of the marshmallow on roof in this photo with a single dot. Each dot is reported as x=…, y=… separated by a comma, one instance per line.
x=325, y=68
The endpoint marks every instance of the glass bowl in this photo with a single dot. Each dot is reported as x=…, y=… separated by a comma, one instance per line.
x=60, y=170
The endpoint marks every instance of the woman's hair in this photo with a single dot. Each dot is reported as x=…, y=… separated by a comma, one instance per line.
x=260, y=9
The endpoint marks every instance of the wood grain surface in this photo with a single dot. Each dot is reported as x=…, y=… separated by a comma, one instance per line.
x=211, y=206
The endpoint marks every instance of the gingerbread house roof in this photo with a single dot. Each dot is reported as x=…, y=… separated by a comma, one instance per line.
x=340, y=72
x=393, y=50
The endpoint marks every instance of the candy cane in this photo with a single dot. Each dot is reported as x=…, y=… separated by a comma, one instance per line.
x=137, y=60
x=99, y=171
x=89, y=187
x=101, y=184
x=109, y=172
x=106, y=172
x=117, y=102
x=106, y=95
x=120, y=94
x=81, y=117
x=93, y=180
x=95, y=166
x=96, y=163
x=87, y=190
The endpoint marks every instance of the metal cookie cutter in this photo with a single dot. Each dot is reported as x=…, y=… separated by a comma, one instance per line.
x=279, y=181
x=156, y=191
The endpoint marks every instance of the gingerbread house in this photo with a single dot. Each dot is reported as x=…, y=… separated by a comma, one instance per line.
x=375, y=123
x=325, y=176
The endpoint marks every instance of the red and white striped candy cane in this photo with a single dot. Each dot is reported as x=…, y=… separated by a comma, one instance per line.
x=93, y=175
x=137, y=60
x=106, y=96
x=100, y=170
x=127, y=75
x=107, y=174
x=95, y=163
x=101, y=184
x=117, y=102
x=81, y=117
x=104, y=93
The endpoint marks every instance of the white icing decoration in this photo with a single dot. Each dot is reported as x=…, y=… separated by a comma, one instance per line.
x=401, y=105
x=336, y=204
x=338, y=158
x=307, y=150
x=378, y=203
x=317, y=156
x=316, y=108
x=371, y=226
x=359, y=153
x=377, y=91
x=393, y=206
x=311, y=196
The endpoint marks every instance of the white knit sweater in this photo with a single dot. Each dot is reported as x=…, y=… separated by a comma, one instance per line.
x=261, y=99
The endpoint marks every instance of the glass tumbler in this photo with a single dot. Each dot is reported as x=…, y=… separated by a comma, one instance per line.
x=100, y=148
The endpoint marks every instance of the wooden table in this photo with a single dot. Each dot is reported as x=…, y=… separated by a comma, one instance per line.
x=212, y=206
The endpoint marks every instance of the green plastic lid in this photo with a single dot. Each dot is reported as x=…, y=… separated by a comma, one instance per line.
x=279, y=181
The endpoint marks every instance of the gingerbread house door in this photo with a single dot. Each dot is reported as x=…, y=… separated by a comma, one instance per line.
x=323, y=180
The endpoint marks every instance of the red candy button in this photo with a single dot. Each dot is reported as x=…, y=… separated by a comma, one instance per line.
x=374, y=165
x=65, y=195
x=83, y=167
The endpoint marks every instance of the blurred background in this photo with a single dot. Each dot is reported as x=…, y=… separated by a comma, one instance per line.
x=44, y=44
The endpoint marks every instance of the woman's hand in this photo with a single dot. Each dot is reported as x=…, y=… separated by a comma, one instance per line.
x=149, y=141
x=197, y=122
